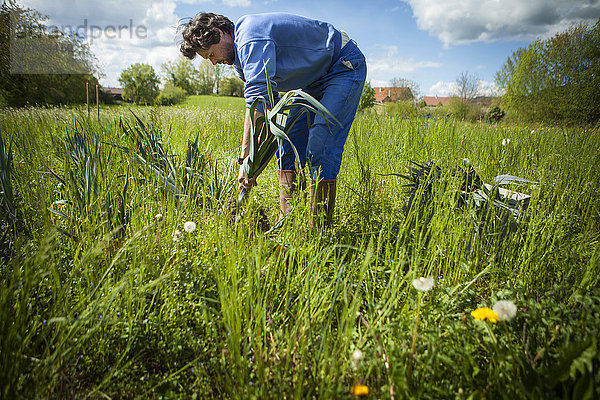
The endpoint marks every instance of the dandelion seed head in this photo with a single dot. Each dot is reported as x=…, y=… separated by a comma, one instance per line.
x=176, y=235
x=158, y=216
x=189, y=226
x=505, y=309
x=356, y=357
x=423, y=284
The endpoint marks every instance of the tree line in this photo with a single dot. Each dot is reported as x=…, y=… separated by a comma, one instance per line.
x=555, y=79
x=550, y=80
x=140, y=82
x=38, y=67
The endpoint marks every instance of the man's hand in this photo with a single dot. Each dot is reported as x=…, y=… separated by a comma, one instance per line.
x=242, y=180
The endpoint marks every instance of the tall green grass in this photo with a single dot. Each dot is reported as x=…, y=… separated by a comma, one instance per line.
x=229, y=312
x=215, y=102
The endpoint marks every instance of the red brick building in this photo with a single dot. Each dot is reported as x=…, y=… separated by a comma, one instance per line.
x=387, y=94
x=434, y=101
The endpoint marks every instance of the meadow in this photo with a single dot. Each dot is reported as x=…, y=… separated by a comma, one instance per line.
x=108, y=291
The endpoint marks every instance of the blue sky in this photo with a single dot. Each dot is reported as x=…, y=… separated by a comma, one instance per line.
x=427, y=41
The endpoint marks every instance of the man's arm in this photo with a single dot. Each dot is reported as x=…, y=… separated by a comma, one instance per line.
x=246, y=138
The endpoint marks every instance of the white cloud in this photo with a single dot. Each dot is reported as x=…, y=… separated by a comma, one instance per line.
x=389, y=63
x=466, y=21
x=486, y=88
x=397, y=65
x=378, y=83
x=148, y=34
x=101, y=13
x=162, y=22
x=442, y=89
x=122, y=32
x=445, y=89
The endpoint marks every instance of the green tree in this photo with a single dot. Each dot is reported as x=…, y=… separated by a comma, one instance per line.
x=182, y=74
x=524, y=79
x=367, y=99
x=140, y=84
x=210, y=77
x=556, y=79
x=220, y=72
x=232, y=86
x=38, y=66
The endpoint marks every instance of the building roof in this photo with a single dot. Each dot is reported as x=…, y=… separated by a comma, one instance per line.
x=384, y=94
x=112, y=90
x=435, y=100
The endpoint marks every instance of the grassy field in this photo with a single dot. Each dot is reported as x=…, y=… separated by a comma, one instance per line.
x=222, y=103
x=106, y=292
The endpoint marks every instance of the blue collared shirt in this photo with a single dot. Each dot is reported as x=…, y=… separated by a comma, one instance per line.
x=295, y=50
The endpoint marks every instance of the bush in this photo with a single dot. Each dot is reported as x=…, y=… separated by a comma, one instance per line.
x=404, y=109
x=435, y=112
x=494, y=114
x=170, y=95
x=463, y=110
x=367, y=99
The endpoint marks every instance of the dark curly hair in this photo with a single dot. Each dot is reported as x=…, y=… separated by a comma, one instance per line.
x=200, y=32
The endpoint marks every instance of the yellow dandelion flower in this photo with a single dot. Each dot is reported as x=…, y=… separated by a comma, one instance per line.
x=483, y=313
x=360, y=390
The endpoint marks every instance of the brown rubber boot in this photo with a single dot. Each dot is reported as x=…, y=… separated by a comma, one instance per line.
x=287, y=187
x=322, y=202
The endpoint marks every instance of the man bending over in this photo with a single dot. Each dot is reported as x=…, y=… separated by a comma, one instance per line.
x=297, y=53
